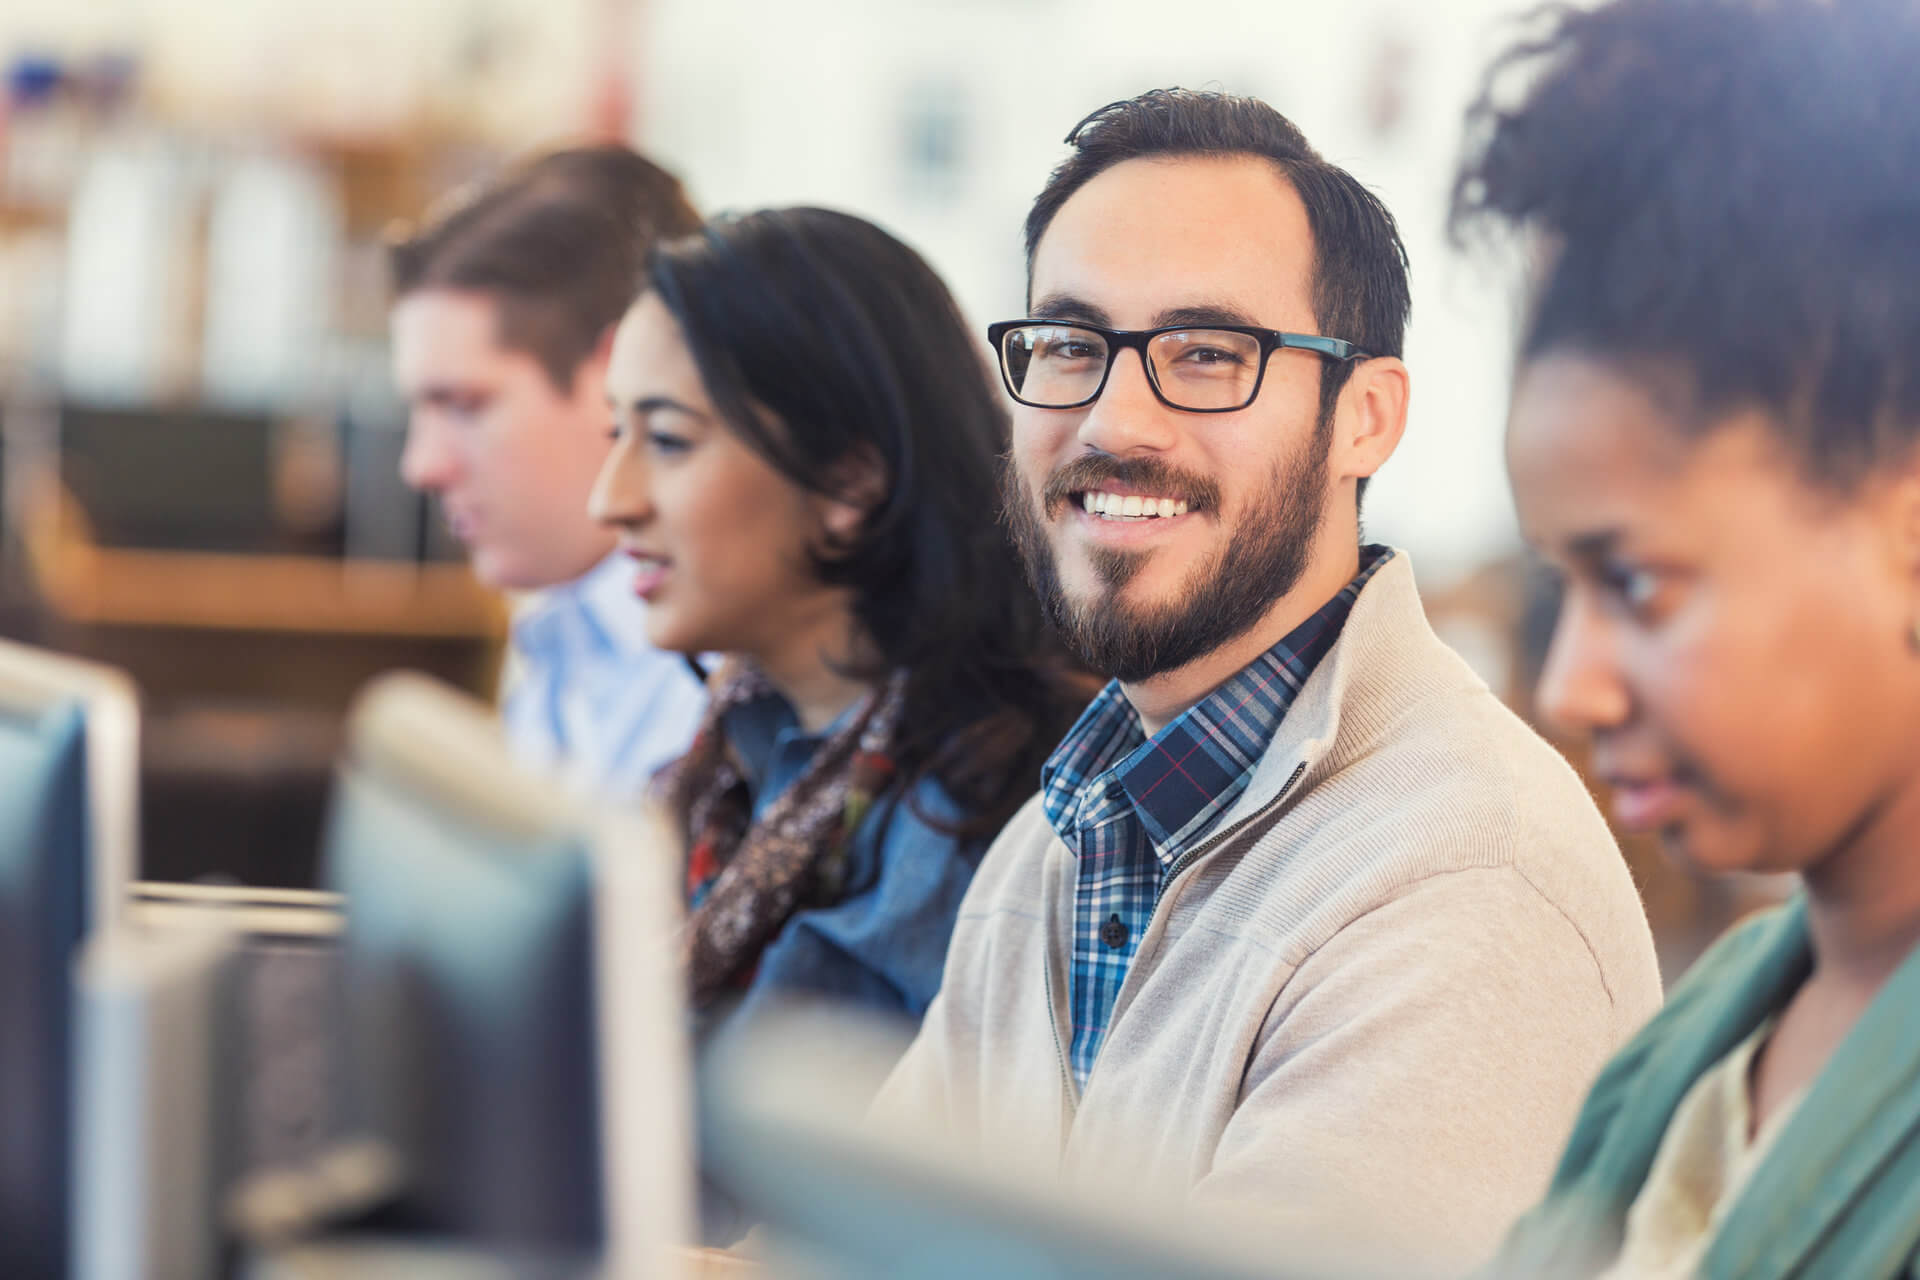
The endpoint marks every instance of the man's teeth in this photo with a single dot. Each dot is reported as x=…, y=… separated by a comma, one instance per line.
x=1116, y=506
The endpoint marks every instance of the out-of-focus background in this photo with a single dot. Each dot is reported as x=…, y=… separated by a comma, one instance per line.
x=198, y=437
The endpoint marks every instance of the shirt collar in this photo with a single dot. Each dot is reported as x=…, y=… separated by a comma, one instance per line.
x=1181, y=780
x=596, y=614
x=765, y=730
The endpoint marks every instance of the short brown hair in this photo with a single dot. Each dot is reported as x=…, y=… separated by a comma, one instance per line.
x=560, y=241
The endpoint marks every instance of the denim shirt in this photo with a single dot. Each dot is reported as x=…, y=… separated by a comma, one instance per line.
x=884, y=944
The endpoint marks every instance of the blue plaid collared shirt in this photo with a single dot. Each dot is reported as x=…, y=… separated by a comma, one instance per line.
x=1129, y=806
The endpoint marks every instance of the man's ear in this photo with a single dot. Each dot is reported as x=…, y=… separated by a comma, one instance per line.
x=1370, y=417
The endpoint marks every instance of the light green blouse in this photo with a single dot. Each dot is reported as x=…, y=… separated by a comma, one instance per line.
x=1835, y=1189
x=1709, y=1152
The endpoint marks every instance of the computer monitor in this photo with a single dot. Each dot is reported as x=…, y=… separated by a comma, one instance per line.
x=783, y=1130
x=43, y=912
x=155, y=1083
x=187, y=479
x=34, y=682
x=514, y=1025
x=68, y=782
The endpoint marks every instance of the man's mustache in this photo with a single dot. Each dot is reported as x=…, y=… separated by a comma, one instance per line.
x=1091, y=471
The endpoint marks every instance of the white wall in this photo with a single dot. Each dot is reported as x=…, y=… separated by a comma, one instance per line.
x=759, y=102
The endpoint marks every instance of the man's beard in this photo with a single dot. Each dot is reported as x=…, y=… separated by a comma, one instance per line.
x=1222, y=597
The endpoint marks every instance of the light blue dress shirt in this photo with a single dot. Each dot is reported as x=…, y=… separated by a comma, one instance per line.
x=590, y=699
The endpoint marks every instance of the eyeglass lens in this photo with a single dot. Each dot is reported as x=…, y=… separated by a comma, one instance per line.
x=1057, y=366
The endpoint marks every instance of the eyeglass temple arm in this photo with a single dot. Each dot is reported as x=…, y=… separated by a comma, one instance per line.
x=1333, y=348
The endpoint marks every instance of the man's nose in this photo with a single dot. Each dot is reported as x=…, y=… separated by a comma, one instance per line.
x=429, y=461
x=1129, y=418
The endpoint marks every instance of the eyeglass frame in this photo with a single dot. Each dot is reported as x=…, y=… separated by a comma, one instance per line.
x=1118, y=340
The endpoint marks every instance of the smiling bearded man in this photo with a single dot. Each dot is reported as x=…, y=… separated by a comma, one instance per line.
x=1224, y=594
x=1303, y=923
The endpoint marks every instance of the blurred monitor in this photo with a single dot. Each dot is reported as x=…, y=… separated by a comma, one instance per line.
x=385, y=517
x=34, y=682
x=783, y=1130
x=68, y=787
x=154, y=1103
x=205, y=479
x=385, y=520
x=513, y=1023
x=190, y=479
x=43, y=914
x=194, y=480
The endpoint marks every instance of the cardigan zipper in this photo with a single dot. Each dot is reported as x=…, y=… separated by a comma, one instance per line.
x=1187, y=859
x=1059, y=1053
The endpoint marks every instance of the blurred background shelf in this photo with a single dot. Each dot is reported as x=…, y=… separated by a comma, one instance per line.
x=85, y=584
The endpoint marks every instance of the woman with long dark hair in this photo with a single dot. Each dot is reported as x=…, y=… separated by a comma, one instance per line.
x=805, y=475
x=1715, y=438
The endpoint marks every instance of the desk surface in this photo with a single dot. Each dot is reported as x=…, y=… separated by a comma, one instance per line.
x=253, y=912
x=377, y=1259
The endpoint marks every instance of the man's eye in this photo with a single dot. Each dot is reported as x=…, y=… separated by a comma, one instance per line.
x=1211, y=355
x=1636, y=588
x=1064, y=349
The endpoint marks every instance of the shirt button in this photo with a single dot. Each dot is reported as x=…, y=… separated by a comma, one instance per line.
x=1113, y=933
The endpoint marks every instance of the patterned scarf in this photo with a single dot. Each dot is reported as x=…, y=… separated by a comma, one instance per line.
x=746, y=877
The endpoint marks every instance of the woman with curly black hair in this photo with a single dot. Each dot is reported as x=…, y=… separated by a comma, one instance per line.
x=1715, y=438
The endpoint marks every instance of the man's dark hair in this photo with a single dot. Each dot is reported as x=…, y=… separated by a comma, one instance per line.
x=1726, y=198
x=823, y=341
x=1360, y=290
x=560, y=243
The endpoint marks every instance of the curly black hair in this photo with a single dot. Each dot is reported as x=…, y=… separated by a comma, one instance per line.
x=1724, y=193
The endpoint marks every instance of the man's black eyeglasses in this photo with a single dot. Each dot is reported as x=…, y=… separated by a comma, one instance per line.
x=1050, y=364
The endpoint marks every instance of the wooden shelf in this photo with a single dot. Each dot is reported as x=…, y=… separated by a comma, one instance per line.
x=86, y=583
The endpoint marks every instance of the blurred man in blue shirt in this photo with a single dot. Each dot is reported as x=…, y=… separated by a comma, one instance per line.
x=503, y=317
